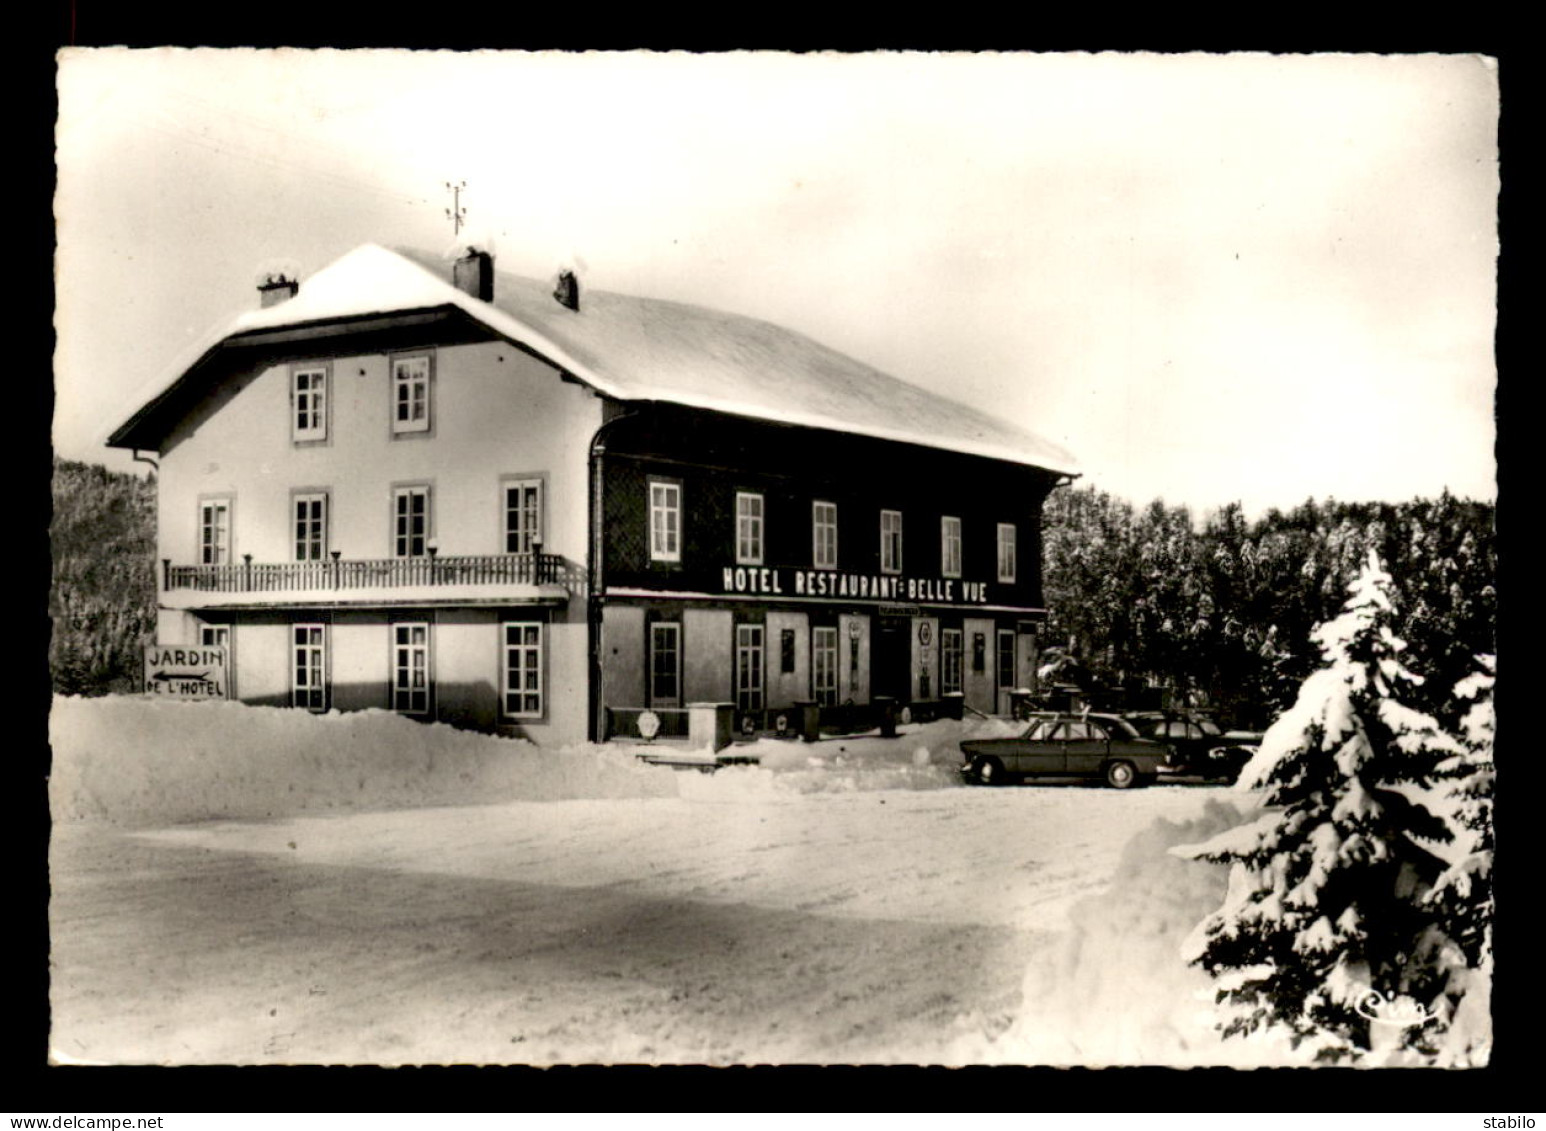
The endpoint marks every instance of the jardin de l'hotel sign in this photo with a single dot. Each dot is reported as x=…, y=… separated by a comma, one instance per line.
x=785, y=582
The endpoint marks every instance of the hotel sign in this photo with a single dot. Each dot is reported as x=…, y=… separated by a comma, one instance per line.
x=784, y=582
x=184, y=673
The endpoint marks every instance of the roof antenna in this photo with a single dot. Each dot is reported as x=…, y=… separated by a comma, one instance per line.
x=456, y=213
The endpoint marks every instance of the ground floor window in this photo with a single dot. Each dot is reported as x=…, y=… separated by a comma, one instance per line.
x=824, y=665
x=1006, y=660
x=523, y=670
x=748, y=666
x=214, y=636
x=308, y=683
x=950, y=654
x=665, y=664
x=410, y=668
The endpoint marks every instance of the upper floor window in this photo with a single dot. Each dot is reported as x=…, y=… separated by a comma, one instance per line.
x=308, y=399
x=310, y=527
x=665, y=521
x=890, y=541
x=824, y=535
x=410, y=522
x=1006, y=551
x=748, y=528
x=410, y=394
x=523, y=515
x=950, y=546
x=215, y=531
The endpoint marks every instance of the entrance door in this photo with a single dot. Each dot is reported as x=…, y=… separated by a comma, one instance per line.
x=748, y=667
x=665, y=664
x=891, y=659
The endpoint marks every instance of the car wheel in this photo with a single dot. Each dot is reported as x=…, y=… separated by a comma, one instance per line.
x=1121, y=775
x=989, y=771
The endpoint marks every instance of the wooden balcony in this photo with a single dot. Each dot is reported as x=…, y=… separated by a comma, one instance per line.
x=383, y=578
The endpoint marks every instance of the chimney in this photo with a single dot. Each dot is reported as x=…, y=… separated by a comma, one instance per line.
x=275, y=289
x=567, y=290
x=474, y=273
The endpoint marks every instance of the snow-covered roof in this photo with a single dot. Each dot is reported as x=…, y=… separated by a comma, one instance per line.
x=642, y=349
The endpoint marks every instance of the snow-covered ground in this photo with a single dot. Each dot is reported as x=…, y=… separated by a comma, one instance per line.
x=247, y=885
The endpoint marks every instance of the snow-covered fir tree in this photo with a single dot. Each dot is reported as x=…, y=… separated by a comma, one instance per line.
x=1325, y=911
x=1461, y=940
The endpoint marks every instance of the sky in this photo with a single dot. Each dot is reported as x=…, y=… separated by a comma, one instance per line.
x=1214, y=278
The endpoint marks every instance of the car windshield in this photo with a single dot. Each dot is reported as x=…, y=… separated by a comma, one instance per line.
x=1120, y=728
x=1040, y=730
x=1209, y=727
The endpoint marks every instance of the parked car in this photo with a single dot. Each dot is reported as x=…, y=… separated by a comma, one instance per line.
x=1069, y=745
x=1203, y=747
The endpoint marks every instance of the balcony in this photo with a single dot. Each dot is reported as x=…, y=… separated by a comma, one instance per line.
x=479, y=578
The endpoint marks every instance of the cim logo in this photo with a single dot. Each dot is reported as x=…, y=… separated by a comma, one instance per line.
x=184, y=673
x=1399, y=1011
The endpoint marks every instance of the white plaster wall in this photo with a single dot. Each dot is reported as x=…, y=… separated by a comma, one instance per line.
x=496, y=412
x=467, y=659
x=263, y=658
x=359, y=659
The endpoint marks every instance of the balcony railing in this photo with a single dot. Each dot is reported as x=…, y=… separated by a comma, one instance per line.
x=383, y=573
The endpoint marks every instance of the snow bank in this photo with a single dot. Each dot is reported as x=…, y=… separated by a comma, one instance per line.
x=1116, y=991
x=136, y=761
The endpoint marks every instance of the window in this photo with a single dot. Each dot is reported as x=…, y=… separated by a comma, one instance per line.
x=308, y=679
x=748, y=528
x=1006, y=659
x=665, y=664
x=1006, y=551
x=824, y=535
x=310, y=527
x=215, y=532
x=748, y=667
x=218, y=636
x=980, y=652
x=523, y=670
x=950, y=654
x=308, y=398
x=410, y=668
x=824, y=666
x=410, y=522
x=665, y=521
x=950, y=546
x=523, y=515
x=890, y=541
x=410, y=394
